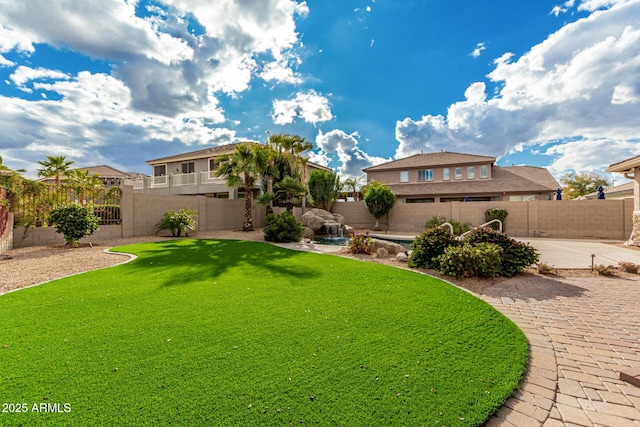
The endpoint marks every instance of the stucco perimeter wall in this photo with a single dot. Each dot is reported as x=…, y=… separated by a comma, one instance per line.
x=140, y=212
x=599, y=219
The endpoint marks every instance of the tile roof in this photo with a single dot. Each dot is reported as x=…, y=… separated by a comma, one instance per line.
x=513, y=179
x=105, y=171
x=199, y=154
x=441, y=158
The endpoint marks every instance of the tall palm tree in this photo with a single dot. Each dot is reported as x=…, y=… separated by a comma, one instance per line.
x=55, y=167
x=289, y=150
x=242, y=168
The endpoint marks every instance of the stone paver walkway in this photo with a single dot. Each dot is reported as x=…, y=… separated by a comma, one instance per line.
x=582, y=333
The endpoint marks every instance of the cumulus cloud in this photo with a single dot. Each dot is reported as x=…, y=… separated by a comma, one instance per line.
x=23, y=75
x=582, y=82
x=346, y=146
x=310, y=107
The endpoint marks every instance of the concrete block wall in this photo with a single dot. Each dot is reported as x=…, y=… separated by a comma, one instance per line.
x=597, y=219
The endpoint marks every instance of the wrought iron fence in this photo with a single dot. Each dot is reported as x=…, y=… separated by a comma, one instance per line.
x=33, y=203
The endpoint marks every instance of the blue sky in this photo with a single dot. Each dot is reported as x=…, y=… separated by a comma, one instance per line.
x=119, y=82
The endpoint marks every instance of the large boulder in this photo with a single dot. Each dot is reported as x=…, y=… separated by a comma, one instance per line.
x=322, y=222
x=392, y=247
x=308, y=233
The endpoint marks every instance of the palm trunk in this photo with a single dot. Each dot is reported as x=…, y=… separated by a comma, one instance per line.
x=248, y=188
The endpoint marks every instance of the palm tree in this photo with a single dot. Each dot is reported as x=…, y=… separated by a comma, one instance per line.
x=83, y=183
x=55, y=167
x=290, y=149
x=290, y=188
x=351, y=185
x=242, y=167
x=4, y=167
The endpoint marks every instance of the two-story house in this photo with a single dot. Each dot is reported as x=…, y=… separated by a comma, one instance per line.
x=445, y=176
x=193, y=173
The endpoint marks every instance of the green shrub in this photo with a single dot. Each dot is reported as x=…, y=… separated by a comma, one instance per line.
x=478, y=260
x=429, y=245
x=74, y=222
x=177, y=222
x=360, y=243
x=458, y=227
x=283, y=228
x=496, y=213
x=515, y=255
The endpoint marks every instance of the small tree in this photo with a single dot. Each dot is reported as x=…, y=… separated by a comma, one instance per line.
x=324, y=187
x=379, y=200
x=74, y=222
x=177, y=222
x=289, y=189
x=576, y=185
x=283, y=228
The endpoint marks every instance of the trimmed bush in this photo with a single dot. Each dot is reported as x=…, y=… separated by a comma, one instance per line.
x=458, y=227
x=515, y=255
x=496, y=213
x=74, y=222
x=177, y=222
x=283, y=228
x=478, y=260
x=429, y=245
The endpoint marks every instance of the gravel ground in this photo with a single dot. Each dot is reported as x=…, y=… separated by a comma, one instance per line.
x=24, y=267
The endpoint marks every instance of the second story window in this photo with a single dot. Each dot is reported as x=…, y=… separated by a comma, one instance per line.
x=446, y=174
x=425, y=175
x=471, y=172
x=458, y=173
x=484, y=172
x=404, y=176
x=212, y=164
x=160, y=170
x=188, y=167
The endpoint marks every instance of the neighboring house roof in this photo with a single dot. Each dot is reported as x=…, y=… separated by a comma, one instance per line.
x=625, y=165
x=213, y=152
x=618, y=192
x=105, y=171
x=513, y=179
x=441, y=158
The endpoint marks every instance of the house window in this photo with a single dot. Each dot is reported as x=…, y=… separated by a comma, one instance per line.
x=471, y=172
x=446, y=174
x=188, y=167
x=425, y=175
x=404, y=176
x=484, y=172
x=160, y=170
x=212, y=164
x=458, y=173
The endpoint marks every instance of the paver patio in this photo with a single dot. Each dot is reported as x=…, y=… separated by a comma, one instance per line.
x=582, y=333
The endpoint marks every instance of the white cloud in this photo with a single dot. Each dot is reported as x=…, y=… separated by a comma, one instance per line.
x=478, y=50
x=310, y=106
x=23, y=75
x=351, y=157
x=588, y=155
x=581, y=84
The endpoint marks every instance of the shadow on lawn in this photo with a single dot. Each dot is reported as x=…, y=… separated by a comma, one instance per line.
x=184, y=261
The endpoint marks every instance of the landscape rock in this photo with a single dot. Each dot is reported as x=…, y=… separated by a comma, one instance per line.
x=402, y=257
x=392, y=247
x=382, y=253
x=322, y=222
x=308, y=233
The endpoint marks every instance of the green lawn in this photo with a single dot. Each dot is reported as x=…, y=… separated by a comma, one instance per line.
x=234, y=333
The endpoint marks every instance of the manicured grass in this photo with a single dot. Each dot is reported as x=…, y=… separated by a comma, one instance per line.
x=233, y=333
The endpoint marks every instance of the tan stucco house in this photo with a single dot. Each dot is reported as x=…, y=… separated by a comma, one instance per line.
x=192, y=173
x=445, y=176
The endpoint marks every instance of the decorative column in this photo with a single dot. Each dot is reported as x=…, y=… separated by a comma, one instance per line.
x=634, y=174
